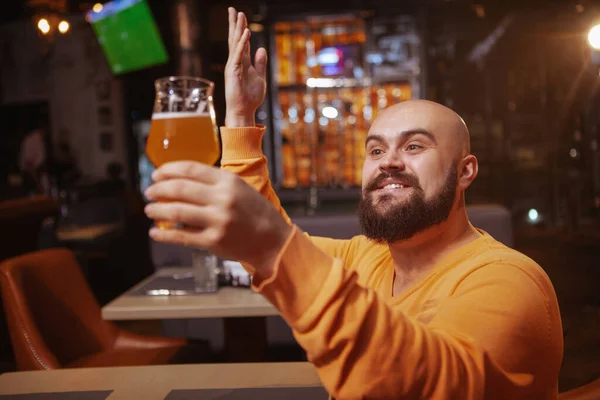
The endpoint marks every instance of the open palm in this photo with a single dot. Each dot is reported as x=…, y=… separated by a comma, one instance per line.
x=245, y=84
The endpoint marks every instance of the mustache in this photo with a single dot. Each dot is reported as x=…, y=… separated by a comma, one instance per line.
x=410, y=180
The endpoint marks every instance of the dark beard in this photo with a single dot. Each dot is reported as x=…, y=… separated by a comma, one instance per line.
x=403, y=220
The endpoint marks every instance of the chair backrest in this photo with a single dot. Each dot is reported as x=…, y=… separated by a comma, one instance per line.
x=52, y=315
x=338, y=226
x=495, y=219
x=492, y=218
x=21, y=221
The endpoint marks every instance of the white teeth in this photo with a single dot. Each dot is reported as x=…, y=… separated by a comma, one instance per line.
x=394, y=186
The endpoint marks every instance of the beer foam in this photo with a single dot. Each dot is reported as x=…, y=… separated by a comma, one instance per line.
x=183, y=114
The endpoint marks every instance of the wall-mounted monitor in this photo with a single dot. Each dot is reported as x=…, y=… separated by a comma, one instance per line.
x=127, y=33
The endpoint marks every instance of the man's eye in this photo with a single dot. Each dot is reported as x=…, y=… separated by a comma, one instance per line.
x=413, y=147
x=376, y=152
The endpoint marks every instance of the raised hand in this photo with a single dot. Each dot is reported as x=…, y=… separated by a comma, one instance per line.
x=219, y=212
x=245, y=84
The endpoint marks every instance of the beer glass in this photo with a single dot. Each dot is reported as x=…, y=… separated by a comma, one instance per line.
x=183, y=127
x=183, y=124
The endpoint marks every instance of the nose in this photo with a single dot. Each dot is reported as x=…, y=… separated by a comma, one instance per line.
x=392, y=162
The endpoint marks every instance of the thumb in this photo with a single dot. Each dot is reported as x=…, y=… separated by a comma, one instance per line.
x=260, y=62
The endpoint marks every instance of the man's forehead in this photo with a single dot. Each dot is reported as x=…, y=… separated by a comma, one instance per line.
x=394, y=129
x=415, y=117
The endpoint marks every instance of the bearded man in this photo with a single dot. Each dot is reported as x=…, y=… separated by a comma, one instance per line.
x=422, y=305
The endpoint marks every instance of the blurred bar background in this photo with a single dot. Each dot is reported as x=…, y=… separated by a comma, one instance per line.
x=77, y=91
x=522, y=75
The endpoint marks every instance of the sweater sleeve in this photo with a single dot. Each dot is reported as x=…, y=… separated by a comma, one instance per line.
x=243, y=156
x=493, y=341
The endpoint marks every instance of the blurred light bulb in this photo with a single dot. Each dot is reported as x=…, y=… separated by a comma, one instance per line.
x=330, y=112
x=43, y=25
x=63, y=27
x=97, y=7
x=573, y=153
x=479, y=10
x=594, y=37
x=533, y=215
x=255, y=27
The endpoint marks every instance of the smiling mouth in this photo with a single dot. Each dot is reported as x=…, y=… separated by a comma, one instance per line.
x=393, y=186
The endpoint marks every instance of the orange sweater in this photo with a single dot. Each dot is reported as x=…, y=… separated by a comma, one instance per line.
x=484, y=324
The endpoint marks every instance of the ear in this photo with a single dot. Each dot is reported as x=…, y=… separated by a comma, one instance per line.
x=468, y=172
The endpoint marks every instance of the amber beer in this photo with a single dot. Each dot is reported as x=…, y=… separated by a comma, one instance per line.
x=178, y=136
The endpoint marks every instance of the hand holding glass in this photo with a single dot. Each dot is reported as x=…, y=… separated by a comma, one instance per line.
x=184, y=128
x=183, y=124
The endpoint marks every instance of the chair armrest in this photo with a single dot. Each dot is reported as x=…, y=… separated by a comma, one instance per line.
x=591, y=391
x=127, y=339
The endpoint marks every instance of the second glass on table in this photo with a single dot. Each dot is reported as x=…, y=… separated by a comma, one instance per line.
x=183, y=123
x=205, y=271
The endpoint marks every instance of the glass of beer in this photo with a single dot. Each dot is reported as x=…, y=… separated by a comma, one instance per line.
x=183, y=124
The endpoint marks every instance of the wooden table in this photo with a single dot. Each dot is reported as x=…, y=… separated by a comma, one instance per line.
x=85, y=233
x=228, y=302
x=243, y=310
x=155, y=382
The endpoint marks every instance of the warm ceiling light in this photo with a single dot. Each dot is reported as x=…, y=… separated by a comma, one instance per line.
x=256, y=27
x=63, y=27
x=43, y=25
x=97, y=7
x=594, y=37
x=479, y=10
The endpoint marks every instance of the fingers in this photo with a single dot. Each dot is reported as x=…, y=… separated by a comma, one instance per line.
x=240, y=27
x=189, y=215
x=242, y=20
x=246, y=60
x=183, y=236
x=184, y=190
x=204, y=238
x=247, y=57
x=232, y=14
x=237, y=57
x=260, y=62
x=188, y=170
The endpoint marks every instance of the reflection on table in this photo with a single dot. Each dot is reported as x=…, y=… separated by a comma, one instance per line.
x=228, y=302
x=85, y=233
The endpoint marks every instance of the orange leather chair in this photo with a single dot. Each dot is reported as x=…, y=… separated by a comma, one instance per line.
x=55, y=322
x=21, y=221
x=591, y=391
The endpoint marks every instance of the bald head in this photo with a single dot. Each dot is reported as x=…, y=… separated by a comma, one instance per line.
x=416, y=170
x=446, y=126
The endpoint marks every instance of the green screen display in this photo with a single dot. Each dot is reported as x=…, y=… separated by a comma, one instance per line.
x=128, y=35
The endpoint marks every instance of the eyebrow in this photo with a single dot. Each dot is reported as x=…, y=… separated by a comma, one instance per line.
x=404, y=135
